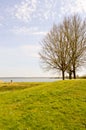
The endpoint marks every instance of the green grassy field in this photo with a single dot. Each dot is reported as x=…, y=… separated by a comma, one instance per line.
x=58, y=105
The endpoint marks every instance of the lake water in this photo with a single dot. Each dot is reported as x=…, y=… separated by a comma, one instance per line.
x=28, y=79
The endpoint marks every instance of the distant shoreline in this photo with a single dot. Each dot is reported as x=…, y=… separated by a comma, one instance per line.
x=29, y=79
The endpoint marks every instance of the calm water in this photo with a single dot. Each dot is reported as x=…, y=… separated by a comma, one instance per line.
x=27, y=79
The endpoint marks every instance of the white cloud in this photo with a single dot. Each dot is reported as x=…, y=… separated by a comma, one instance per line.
x=81, y=5
x=25, y=9
x=28, y=31
x=29, y=9
x=73, y=6
x=47, y=9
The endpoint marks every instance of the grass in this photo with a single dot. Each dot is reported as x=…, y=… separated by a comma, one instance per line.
x=43, y=106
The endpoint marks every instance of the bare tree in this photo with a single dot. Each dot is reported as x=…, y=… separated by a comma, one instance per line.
x=54, y=51
x=75, y=33
x=64, y=47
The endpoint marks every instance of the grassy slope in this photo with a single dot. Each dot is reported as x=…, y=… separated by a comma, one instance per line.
x=43, y=106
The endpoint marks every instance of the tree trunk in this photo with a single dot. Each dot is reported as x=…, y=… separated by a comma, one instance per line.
x=70, y=74
x=74, y=71
x=63, y=75
x=74, y=74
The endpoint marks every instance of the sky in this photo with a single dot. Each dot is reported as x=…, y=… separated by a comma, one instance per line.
x=23, y=25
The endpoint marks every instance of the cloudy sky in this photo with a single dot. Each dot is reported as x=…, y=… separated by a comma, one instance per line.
x=23, y=24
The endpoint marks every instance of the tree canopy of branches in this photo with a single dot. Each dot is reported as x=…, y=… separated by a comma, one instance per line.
x=64, y=47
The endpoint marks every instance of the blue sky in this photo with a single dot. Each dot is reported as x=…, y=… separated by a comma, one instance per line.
x=23, y=24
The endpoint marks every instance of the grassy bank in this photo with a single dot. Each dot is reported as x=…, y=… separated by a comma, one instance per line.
x=43, y=106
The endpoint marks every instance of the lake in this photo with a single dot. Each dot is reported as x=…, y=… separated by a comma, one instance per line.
x=28, y=79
